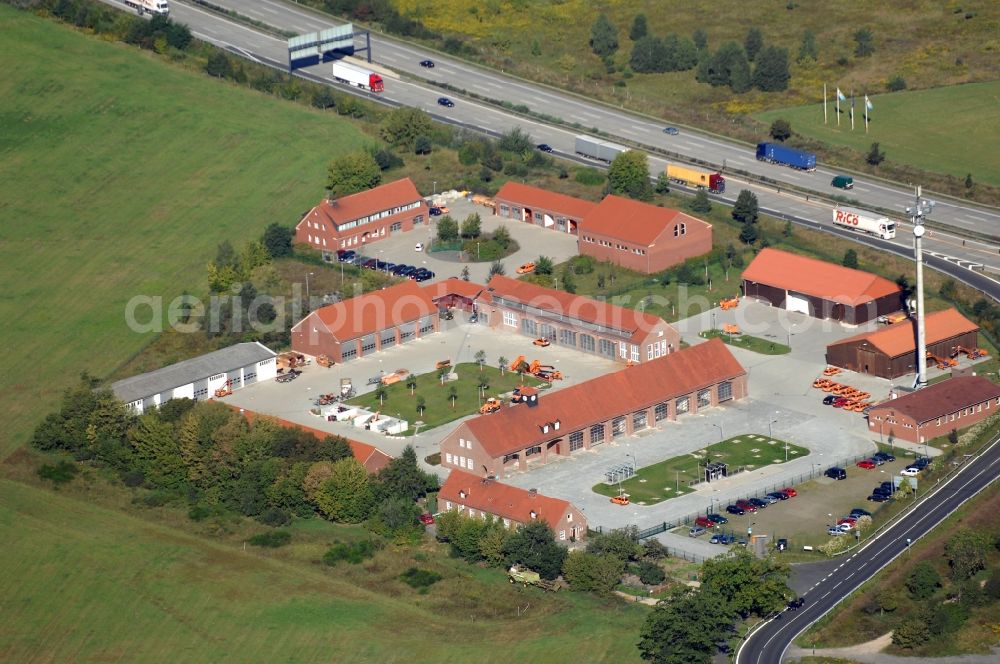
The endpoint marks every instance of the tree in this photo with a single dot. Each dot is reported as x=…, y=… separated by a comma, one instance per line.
x=516, y=140
x=453, y=395
x=568, y=282
x=662, y=184
x=543, y=265
x=923, y=581
x=421, y=405
x=948, y=290
x=395, y=516
x=781, y=130
x=740, y=80
x=788, y=229
x=875, y=156
x=746, y=210
x=969, y=183
x=639, y=28
x=887, y=601
x=277, y=239
x=771, y=72
x=411, y=383
x=719, y=67
x=808, y=49
x=472, y=226
x=603, y=37
x=911, y=633
x=380, y=393
x=481, y=358
x=700, y=39
x=629, y=175
x=218, y=65
x=619, y=543
x=753, y=43
x=502, y=363
x=323, y=98
x=850, y=259
x=533, y=545
x=402, y=126
x=864, y=43
x=403, y=478
x=502, y=236
x=750, y=585
x=351, y=173
x=588, y=572
x=650, y=573
x=966, y=551
x=447, y=229
x=465, y=273
x=648, y=55
x=685, y=629
x=496, y=267
x=701, y=203
x=422, y=145
x=492, y=542
x=346, y=496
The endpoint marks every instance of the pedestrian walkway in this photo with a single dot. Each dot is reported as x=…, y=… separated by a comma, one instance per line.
x=871, y=653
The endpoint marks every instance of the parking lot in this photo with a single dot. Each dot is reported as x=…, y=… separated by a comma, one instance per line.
x=534, y=241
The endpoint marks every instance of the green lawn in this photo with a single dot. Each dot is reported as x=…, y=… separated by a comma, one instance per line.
x=944, y=130
x=671, y=478
x=119, y=175
x=439, y=409
x=756, y=344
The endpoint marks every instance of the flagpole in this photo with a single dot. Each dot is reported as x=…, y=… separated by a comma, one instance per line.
x=824, y=104
x=852, y=109
x=838, y=107
x=866, y=114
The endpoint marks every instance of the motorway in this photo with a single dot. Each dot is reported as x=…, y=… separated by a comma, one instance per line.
x=767, y=645
x=961, y=256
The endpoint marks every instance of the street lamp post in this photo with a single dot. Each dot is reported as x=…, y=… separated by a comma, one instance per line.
x=308, y=300
x=435, y=188
x=722, y=435
x=769, y=431
x=477, y=250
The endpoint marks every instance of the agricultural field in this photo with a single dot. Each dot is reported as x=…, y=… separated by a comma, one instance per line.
x=673, y=477
x=946, y=130
x=118, y=178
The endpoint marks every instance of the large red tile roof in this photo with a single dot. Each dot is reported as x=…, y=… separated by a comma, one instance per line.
x=901, y=338
x=369, y=456
x=371, y=312
x=454, y=286
x=836, y=283
x=602, y=398
x=533, y=197
x=633, y=221
x=944, y=398
x=364, y=203
x=500, y=499
x=634, y=323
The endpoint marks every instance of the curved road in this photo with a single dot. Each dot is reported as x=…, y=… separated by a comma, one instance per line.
x=768, y=644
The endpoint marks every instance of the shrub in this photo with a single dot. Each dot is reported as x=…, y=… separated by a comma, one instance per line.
x=59, y=474
x=582, y=264
x=650, y=573
x=274, y=516
x=420, y=579
x=948, y=618
x=271, y=539
x=911, y=633
x=352, y=552
x=133, y=478
x=590, y=177
x=923, y=581
x=896, y=83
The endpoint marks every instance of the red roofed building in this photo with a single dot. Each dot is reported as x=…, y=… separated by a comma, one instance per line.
x=368, y=323
x=478, y=497
x=351, y=221
x=819, y=289
x=642, y=237
x=454, y=292
x=540, y=207
x=609, y=407
x=575, y=321
x=892, y=351
x=936, y=410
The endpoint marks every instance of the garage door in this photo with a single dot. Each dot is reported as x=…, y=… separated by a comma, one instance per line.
x=796, y=302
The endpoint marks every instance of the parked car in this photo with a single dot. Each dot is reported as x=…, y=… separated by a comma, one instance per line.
x=790, y=492
x=758, y=503
x=735, y=509
x=541, y=341
x=885, y=456
x=881, y=491
x=544, y=147
x=717, y=519
x=878, y=498
x=704, y=522
x=836, y=473
x=769, y=499
x=697, y=531
x=910, y=471
x=887, y=485
x=857, y=513
x=746, y=505
x=386, y=267
x=398, y=270
x=444, y=101
x=672, y=131
x=370, y=264
x=778, y=495
x=829, y=399
x=867, y=464
x=838, y=530
x=721, y=538
x=847, y=521
x=424, y=276
x=346, y=257
x=435, y=211
x=527, y=268
x=840, y=402
x=407, y=270
x=426, y=518
x=419, y=246
x=427, y=64
x=921, y=462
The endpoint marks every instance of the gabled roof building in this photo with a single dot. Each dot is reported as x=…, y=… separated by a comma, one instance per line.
x=540, y=207
x=936, y=410
x=566, y=421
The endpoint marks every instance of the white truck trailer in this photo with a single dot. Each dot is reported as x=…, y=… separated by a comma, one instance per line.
x=863, y=221
x=597, y=149
x=359, y=77
x=159, y=7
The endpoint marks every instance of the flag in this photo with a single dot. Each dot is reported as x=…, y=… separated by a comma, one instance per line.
x=868, y=104
x=840, y=95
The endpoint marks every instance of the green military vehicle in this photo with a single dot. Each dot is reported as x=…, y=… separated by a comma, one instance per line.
x=528, y=578
x=843, y=182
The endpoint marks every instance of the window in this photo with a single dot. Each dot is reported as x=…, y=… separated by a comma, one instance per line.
x=638, y=420
x=537, y=449
x=660, y=412
x=635, y=352
x=725, y=391
x=504, y=210
x=562, y=534
x=623, y=351
x=538, y=216
x=607, y=348
x=387, y=338
x=510, y=319
x=461, y=442
x=704, y=398
x=448, y=504
x=426, y=324
x=596, y=434
x=468, y=446
x=649, y=351
x=348, y=353
x=511, y=457
x=368, y=344
x=448, y=457
x=567, y=337
x=547, y=331
x=529, y=327
x=396, y=226
x=682, y=405
x=618, y=427
x=576, y=441
x=587, y=343
x=680, y=229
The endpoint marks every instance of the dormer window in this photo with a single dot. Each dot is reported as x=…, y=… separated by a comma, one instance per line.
x=545, y=428
x=461, y=494
x=533, y=514
x=555, y=425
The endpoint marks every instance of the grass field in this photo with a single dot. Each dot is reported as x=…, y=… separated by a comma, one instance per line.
x=946, y=130
x=119, y=176
x=673, y=477
x=756, y=344
x=439, y=407
x=92, y=584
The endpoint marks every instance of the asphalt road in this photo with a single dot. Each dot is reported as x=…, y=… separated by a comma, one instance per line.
x=768, y=644
x=626, y=126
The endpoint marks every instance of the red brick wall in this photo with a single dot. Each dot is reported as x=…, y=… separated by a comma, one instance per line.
x=905, y=428
x=355, y=238
x=666, y=251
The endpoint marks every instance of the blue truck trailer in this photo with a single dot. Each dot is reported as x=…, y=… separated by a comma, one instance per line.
x=779, y=154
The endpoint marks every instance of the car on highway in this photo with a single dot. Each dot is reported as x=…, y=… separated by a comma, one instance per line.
x=671, y=131
x=427, y=64
x=544, y=147
x=717, y=519
x=829, y=399
x=526, y=268
x=796, y=604
x=735, y=509
x=779, y=495
x=419, y=246
x=866, y=464
x=444, y=101
x=790, y=492
x=697, y=531
x=426, y=518
x=704, y=522
x=836, y=473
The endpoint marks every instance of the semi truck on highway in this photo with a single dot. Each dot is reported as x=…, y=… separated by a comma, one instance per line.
x=597, y=149
x=864, y=222
x=696, y=177
x=779, y=154
x=159, y=7
x=357, y=76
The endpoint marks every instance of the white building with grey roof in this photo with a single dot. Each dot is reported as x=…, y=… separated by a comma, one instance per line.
x=198, y=378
